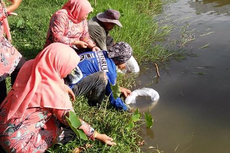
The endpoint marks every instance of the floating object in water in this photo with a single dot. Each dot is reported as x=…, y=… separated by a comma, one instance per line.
x=153, y=94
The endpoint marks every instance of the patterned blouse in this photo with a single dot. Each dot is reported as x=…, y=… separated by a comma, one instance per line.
x=37, y=130
x=9, y=55
x=62, y=29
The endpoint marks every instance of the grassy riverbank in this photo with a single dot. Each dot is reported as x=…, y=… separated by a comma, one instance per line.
x=139, y=30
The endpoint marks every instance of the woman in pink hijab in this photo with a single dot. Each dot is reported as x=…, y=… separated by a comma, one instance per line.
x=33, y=115
x=69, y=26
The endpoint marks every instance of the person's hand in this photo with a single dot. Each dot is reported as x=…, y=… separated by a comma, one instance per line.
x=106, y=139
x=15, y=4
x=80, y=44
x=95, y=48
x=70, y=92
x=125, y=91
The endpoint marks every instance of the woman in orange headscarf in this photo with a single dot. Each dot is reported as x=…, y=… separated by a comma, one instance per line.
x=32, y=113
x=69, y=26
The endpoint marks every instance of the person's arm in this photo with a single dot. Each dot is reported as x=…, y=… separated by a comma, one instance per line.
x=125, y=91
x=98, y=34
x=86, y=37
x=5, y=24
x=3, y=13
x=7, y=29
x=92, y=134
x=15, y=4
x=61, y=115
x=115, y=102
x=104, y=138
x=58, y=24
x=88, y=130
x=70, y=92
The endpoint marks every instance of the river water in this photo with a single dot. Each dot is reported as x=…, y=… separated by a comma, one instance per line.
x=193, y=113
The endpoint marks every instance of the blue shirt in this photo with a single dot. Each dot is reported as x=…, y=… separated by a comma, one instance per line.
x=95, y=61
x=92, y=62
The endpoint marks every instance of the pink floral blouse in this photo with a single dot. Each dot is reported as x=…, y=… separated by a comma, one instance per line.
x=37, y=130
x=62, y=29
x=9, y=55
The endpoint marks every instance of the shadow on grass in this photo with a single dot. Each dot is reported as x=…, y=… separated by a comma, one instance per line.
x=29, y=53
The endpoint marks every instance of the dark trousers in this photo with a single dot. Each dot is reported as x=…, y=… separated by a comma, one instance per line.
x=13, y=76
x=93, y=87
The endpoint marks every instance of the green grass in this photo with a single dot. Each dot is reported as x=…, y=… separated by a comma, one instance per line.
x=140, y=30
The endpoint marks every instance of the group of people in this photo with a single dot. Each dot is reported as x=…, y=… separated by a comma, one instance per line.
x=79, y=58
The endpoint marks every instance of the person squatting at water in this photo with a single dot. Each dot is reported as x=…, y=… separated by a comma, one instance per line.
x=11, y=59
x=69, y=26
x=33, y=115
x=99, y=71
x=100, y=25
x=99, y=28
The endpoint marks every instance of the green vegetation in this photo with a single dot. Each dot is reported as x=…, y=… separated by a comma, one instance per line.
x=139, y=29
x=107, y=120
x=74, y=124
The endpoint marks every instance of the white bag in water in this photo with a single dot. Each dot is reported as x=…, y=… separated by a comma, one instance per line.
x=131, y=99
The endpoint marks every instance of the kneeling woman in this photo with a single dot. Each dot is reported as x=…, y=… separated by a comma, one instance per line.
x=34, y=112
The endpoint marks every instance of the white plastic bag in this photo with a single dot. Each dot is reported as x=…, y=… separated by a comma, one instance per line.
x=153, y=94
x=131, y=66
x=74, y=77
